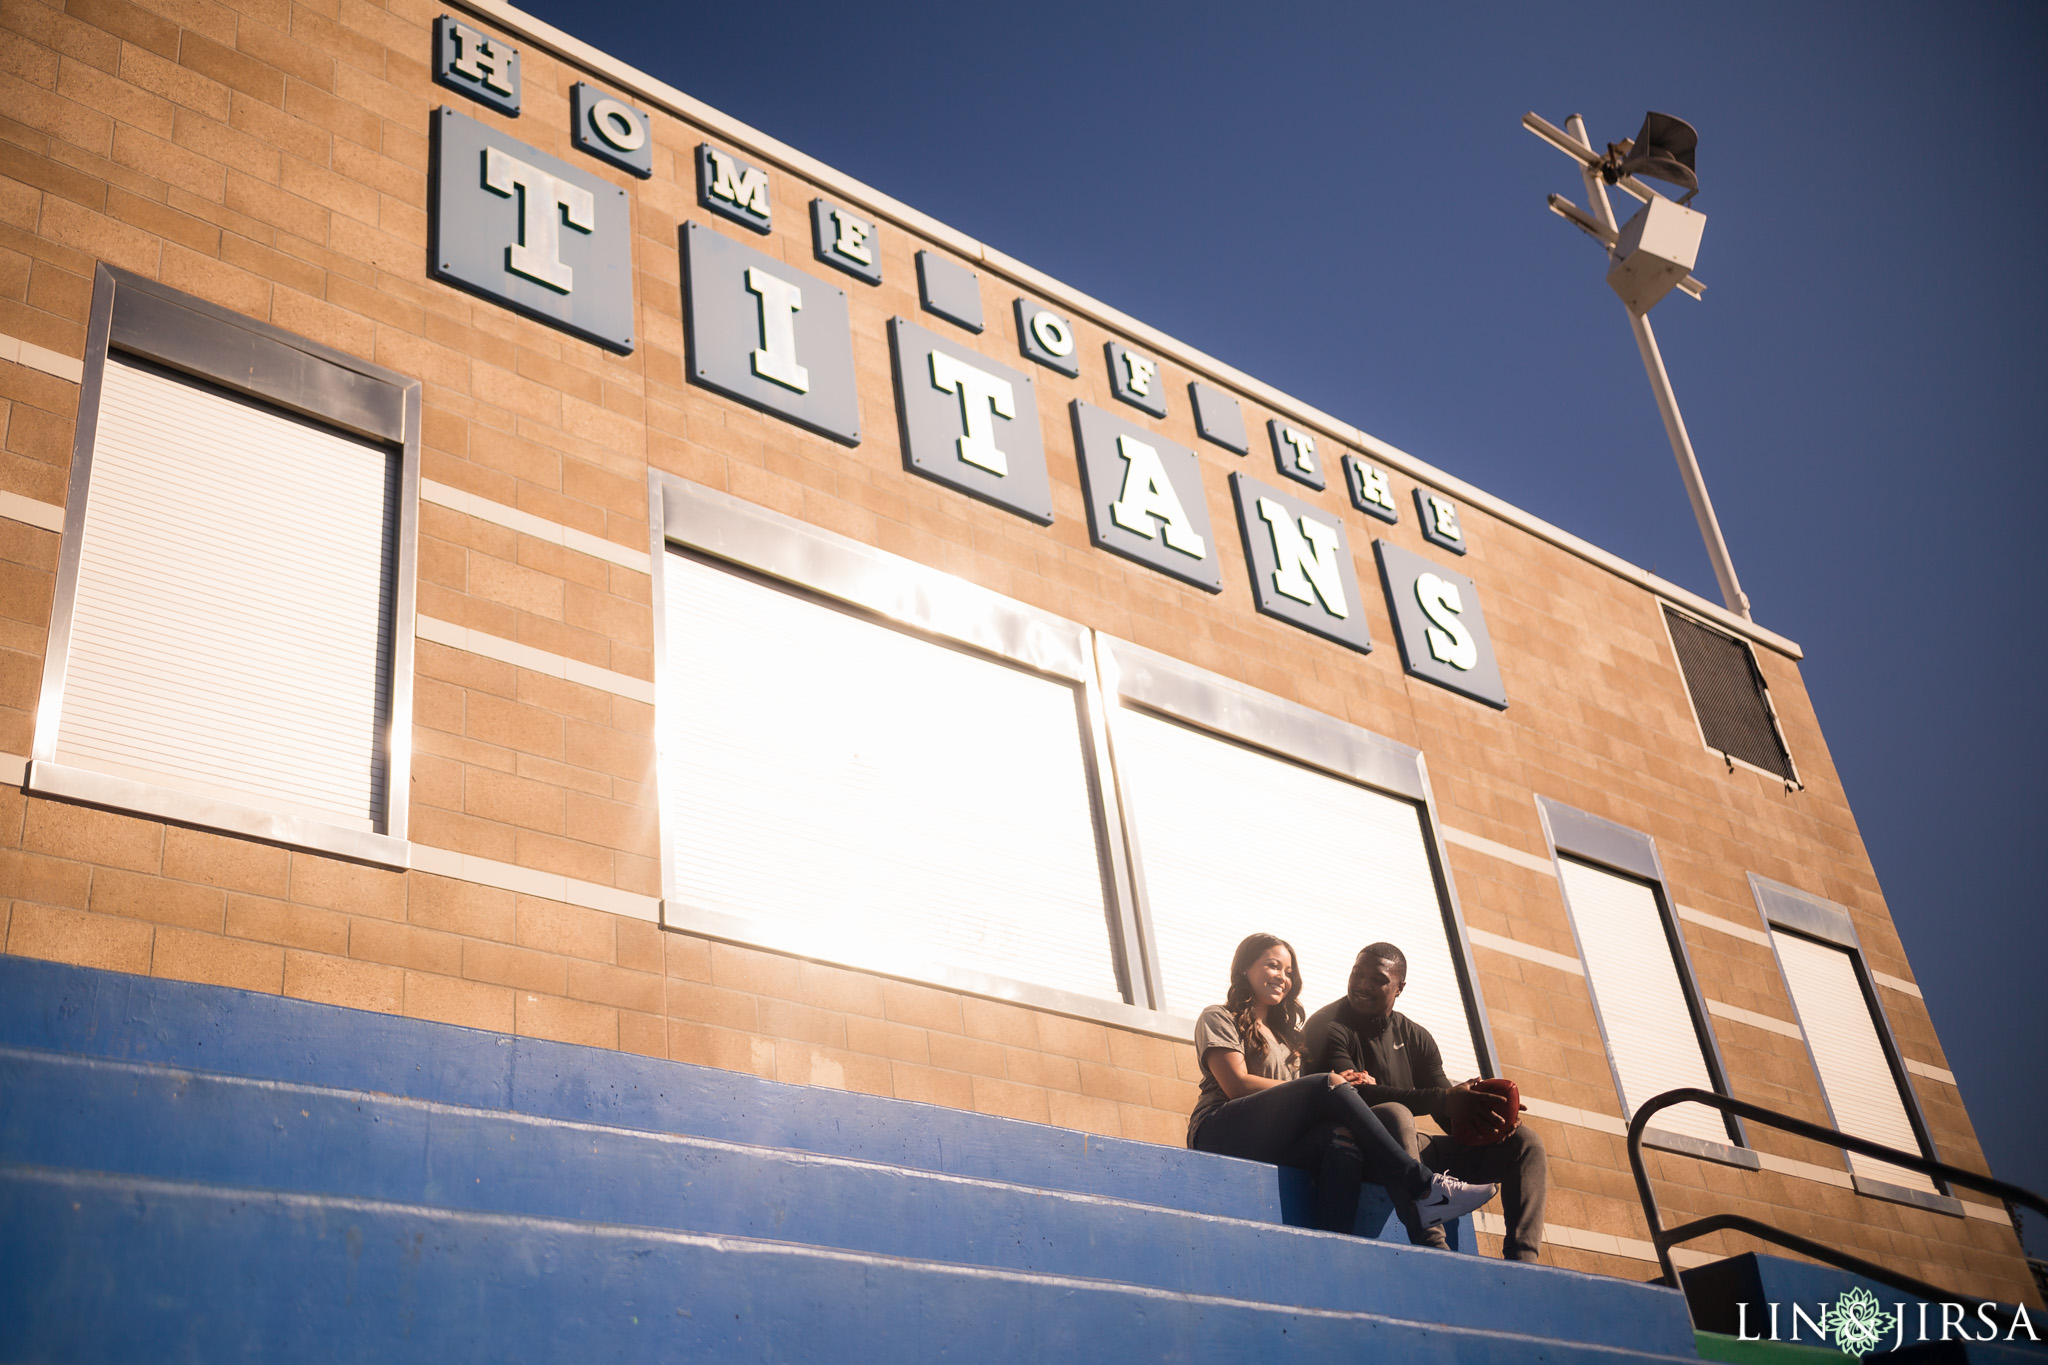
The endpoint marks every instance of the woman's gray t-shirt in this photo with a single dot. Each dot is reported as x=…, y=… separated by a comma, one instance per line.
x=1214, y=1029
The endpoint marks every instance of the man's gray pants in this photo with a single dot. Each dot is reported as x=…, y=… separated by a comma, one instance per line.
x=1516, y=1163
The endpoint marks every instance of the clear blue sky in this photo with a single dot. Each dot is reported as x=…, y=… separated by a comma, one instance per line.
x=1338, y=199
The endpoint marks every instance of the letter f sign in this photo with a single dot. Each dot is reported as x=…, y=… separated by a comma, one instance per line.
x=545, y=203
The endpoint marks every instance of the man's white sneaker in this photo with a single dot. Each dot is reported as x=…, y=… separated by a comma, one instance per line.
x=1450, y=1198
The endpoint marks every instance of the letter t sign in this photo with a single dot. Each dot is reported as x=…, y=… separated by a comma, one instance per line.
x=511, y=224
x=538, y=252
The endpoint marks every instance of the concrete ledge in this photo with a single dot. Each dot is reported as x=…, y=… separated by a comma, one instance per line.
x=1901, y=1194
x=41, y=358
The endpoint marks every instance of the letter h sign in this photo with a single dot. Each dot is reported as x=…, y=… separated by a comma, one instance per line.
x=473, y=63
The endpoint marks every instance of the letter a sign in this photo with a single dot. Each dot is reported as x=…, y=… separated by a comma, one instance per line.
x=1144, y=497
x=530, y=232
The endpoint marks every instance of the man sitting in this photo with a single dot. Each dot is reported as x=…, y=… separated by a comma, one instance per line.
x=1400, y=1073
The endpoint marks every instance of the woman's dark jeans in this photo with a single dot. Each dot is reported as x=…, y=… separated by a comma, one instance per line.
x=1329, y=1130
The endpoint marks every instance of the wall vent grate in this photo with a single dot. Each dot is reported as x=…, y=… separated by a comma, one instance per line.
x=1728, y=695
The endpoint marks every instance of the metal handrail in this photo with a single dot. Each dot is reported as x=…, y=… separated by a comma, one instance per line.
x=1664, y=1240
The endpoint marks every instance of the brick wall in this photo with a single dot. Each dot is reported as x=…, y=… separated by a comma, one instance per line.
x=271, y=157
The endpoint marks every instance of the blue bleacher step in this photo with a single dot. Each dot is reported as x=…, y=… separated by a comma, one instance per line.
x=154, y=1122
x=103, y=1268
x=1216, y=1220
x=87, y=1012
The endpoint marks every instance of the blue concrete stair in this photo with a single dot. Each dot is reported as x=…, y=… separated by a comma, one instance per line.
x=191, y=1171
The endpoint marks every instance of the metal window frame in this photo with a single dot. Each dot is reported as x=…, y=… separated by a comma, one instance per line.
x=1794, y=782
x=136, y=316
x=925, y=601
x=1287, y=730
x=1788, y=909
x=1587, y=838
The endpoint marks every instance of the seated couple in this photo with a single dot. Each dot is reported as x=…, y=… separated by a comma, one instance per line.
x=1339, y=1097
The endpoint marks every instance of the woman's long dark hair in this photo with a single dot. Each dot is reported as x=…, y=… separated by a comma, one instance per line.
x=1284, y=1019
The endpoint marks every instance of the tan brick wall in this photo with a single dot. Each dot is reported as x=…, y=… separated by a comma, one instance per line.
x=271, y=157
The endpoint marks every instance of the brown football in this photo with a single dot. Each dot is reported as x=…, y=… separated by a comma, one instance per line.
x=1506, y=1100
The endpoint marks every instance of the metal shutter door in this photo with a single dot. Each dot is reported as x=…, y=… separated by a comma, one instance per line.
x=876, y=798
x=1235, y=842
x=1861, y=1090
x=1651, y=1038
x=232, y=630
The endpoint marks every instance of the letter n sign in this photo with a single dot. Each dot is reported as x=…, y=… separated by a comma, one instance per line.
x=532, y=233
x=1441, y=628
x=1300, y=560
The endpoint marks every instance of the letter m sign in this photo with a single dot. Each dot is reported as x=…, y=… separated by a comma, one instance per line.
x=729, y=186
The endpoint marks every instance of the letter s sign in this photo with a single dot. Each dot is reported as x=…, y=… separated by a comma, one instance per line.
x=1449, y=640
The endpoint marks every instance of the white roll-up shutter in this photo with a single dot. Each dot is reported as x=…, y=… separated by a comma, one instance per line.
x=232, y=631
x=1861, y=1089
x=1235, y=841
x=1651, y=1037
x=875, y=797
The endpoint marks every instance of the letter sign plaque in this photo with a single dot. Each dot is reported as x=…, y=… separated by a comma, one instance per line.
x=1440, y=626
x=775, y=337
x=732, y=187
x=1145, y=497
x=530, y=232
x=1300, y=559
x=1047, y=337
x=473, y=63
x=969, y=422
x=845, y=240
x=610, y=129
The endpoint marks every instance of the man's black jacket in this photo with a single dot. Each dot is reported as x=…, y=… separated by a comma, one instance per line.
x=1395, y=1051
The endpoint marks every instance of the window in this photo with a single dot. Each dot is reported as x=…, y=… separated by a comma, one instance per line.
x=1644, y=995
x=868, y=762
x=229, y=649
x=1246, y=813
x=1862, y=1079
x=1728, y=696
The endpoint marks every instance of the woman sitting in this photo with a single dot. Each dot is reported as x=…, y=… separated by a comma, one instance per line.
x=1254, y=1102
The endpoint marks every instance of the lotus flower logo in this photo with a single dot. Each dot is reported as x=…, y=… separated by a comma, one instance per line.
x=1857, y=1322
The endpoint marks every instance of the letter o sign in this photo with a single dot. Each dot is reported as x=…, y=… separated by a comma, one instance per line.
x=618, y=125
x=1050, y=330
x=1046, y=337
x=610, y=129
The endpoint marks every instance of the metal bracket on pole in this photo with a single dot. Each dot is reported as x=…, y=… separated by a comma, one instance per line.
x=1602, y=227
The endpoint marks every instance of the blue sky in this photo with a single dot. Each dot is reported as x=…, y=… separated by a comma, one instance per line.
x=1338, y=199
